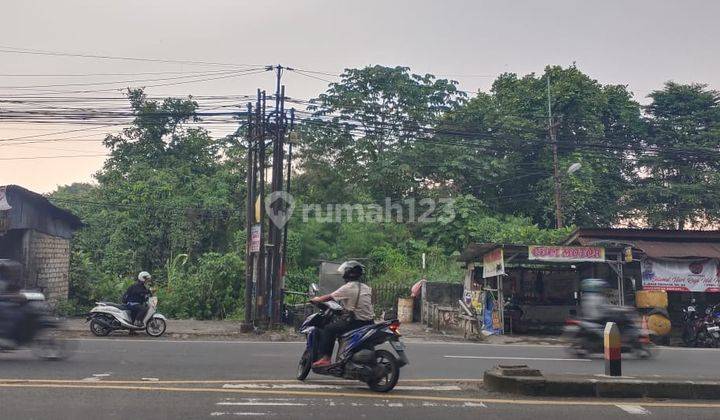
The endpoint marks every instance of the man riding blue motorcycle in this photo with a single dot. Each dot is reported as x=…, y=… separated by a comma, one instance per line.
x=358, y=336
x=356, y=299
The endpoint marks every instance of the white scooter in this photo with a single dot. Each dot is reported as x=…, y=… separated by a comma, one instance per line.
x=107, y=317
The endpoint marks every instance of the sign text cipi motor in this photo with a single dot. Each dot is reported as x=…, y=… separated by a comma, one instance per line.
x=566, y=253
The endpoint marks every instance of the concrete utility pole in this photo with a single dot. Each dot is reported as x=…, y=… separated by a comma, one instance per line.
x=266, y=240
x=247, y=324
x=275, y=231
x=552, y=130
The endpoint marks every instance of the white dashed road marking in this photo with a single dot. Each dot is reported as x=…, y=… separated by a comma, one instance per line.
x=96, y=377
x=263, y=403
x=551, y=359
x=321, y=386
x=632, y=409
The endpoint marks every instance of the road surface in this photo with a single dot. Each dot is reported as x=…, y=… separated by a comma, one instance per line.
x=166, y=379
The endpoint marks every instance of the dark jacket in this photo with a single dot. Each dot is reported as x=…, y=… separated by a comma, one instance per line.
x=137, y=293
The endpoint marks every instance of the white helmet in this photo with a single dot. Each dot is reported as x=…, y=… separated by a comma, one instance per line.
x=144, y=276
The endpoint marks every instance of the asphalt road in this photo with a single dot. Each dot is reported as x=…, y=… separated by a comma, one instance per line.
x=164, y=379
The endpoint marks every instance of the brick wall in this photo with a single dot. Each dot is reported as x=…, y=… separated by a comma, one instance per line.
x=49, y=262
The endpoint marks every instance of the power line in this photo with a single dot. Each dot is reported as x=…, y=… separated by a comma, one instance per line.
x=234, y=74
x=16, y=50
x=219, y=72
x=52, y=157
x=141, y=73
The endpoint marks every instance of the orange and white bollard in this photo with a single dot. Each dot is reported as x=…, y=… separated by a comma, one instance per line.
x=613, y=350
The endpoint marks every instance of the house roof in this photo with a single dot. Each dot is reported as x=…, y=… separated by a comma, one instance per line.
x=42, y=202
x=643, y=234
x=655, y=243
x=474, y=251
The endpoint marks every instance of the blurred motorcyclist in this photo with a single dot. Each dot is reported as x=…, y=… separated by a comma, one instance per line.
x=596, y=308
x=594, y=305
x=9, y=300
x=135, y=298
x=356, y=299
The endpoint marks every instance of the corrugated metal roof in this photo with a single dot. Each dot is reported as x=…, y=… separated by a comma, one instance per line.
x=41, y=200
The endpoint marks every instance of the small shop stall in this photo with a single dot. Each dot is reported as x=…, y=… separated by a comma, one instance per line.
x=515, y=288
x=682, y=263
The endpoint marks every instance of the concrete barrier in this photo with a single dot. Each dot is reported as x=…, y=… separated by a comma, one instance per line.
x=523, y=380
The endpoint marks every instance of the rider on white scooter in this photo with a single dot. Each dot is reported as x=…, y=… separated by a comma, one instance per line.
x=135, y=298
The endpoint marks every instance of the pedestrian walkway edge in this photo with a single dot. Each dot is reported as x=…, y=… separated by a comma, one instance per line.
x=524, y=381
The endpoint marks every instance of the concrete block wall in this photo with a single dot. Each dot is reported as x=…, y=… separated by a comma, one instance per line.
x=49, y=257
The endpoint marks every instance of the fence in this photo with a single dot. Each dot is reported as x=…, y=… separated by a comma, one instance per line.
x=385, y=298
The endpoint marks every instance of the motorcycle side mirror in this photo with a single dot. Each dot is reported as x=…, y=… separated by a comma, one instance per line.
x=314, y=289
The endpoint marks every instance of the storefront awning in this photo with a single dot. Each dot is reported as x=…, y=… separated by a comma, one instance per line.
x=662, y=249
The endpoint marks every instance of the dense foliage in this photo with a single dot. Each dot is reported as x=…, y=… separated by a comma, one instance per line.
x=170, y=197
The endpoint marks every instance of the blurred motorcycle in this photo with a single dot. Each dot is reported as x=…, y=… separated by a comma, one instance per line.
x=587, y=337
x=26, y=321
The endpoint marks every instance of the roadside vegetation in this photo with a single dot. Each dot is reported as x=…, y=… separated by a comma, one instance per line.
x=170, y=198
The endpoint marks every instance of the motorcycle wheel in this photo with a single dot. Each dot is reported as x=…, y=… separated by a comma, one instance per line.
x=392, y=372
x=48, y=346
x=646, y=351
x=576, y=350
x=98, y=329
x=156, y=327
x=304, y=366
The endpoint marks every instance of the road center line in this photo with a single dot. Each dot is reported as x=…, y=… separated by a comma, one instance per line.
x=550, y=359
x=261, y=385
x=258, y=403
x=230, y=381
x=361, y=395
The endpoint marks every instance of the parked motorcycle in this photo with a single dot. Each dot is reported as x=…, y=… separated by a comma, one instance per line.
x=701, y=330
x=107, y=317
x=587, y=337
x=26, y=321
x=356, y=357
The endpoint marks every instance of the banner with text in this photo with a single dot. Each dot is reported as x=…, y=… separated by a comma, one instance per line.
x=493, y=263
x=681, y=276
x=566, y=253
x=255, y=233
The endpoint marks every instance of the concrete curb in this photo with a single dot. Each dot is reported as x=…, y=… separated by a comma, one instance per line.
x=525, y=381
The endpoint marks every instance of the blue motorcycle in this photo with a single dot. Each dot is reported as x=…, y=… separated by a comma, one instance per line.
x=356, y=357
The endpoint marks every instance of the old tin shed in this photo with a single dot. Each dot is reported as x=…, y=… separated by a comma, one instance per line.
x=36, y=234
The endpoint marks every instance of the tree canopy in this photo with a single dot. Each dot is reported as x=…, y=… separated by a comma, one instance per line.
x=169, y=199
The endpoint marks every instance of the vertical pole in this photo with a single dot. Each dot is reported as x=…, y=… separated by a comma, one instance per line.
x=262, y=278
x=277, y=185
x=287, y=187
x=552, y=127
x=621, y=282
x=501, y=303
x=613, y=350
x=250, y=219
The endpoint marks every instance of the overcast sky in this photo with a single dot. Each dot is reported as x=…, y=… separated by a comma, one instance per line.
x=641, y=43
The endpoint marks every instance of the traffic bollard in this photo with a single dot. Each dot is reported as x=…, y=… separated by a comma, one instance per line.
x=613, y=350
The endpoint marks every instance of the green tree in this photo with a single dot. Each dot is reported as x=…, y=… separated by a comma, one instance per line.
x=366, y=126
x=497, y=147
x=679, y=178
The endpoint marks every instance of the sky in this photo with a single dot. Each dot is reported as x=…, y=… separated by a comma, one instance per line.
x=640, y=43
